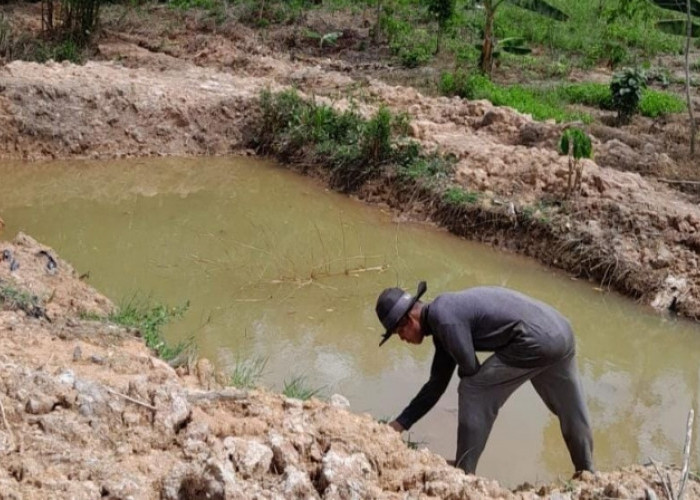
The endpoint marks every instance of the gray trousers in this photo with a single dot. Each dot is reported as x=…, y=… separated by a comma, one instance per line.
x=482, y=395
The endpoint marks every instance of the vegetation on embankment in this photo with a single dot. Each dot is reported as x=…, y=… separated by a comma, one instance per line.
x=375, y=159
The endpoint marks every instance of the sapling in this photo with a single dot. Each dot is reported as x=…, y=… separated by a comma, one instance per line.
x=576, y=144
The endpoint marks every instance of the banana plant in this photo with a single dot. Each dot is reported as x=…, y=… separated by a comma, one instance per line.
x=490, y=6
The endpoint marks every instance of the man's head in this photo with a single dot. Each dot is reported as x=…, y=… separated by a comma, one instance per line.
x=395, y=309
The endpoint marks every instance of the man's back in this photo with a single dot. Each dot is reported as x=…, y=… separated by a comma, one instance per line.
x=521, y=330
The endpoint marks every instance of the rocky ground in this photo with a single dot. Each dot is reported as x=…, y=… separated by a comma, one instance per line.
x=86, y=411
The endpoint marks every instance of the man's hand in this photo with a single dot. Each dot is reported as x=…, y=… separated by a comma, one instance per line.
x=396, y=426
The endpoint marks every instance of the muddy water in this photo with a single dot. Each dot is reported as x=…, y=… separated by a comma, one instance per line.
x=277, y=268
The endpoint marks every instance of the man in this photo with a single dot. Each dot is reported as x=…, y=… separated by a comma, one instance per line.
x=529, y=340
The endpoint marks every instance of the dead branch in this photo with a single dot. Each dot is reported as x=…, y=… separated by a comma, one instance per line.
x=228, y=394
x=674, y=181
x=7, y=426
x=669, y=495
x=686, y=453
x=132, y=400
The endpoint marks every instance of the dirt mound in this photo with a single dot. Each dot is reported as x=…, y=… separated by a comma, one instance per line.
x=87, y=412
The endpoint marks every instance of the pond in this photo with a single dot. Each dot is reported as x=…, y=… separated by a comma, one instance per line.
x=277, y=268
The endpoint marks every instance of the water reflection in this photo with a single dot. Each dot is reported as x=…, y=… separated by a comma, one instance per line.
x=276, y=267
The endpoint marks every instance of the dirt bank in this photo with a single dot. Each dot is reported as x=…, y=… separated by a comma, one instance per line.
x=193, y=90
x=87, y=412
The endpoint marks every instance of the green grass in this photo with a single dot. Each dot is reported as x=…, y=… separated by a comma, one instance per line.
x=297, y=388
x=13, y=298
x=655, y=103
x=460, y=196
x=149, y=318
x=541, y=104
x=552, y=102
x=247, y=373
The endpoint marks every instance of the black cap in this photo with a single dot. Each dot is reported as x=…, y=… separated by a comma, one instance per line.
x=393, y=304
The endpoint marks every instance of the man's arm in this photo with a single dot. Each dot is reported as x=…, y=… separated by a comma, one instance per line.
x=440, y=374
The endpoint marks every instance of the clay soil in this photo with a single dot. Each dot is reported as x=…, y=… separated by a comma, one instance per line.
x=88, y=412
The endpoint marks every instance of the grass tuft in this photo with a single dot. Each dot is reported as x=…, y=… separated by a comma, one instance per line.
x=149, y=319
x=247, y=373
x=13, y=298
x=297, y=388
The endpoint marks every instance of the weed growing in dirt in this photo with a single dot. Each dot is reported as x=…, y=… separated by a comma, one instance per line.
x=352, y=148
x=297, y=388
x=411, y=443
x=149, y=319
x=13, y=298
x=247, y=373
x=460, y=196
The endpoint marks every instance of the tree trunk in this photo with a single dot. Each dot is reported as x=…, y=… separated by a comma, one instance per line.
x=487, y=47
x=377, y=26
x=689, y=36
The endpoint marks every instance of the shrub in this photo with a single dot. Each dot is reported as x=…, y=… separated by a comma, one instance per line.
x=353, y=149
x=626, y=88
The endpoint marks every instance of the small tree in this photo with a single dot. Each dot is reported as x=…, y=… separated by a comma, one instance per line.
x=443, y=10
x=490, y=6
x=576, y=144
x=626, y=88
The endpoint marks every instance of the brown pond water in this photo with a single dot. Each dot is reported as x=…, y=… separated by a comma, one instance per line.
x=276, y=267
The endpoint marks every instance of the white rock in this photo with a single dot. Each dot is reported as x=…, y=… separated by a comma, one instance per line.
x=340, y=401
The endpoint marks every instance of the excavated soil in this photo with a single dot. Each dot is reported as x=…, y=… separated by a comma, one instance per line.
x=86, y=412
x=89, y=412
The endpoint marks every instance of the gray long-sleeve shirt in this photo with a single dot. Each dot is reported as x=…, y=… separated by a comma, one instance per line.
x=521, y=331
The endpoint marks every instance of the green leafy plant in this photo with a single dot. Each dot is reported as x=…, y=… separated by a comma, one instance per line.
x=247, y=373
x=297, y=388
x=626, y=88
x=149, y=319
x=576, y=144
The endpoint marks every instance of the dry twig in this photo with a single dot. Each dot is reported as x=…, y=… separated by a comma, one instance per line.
x=132, y=400
x=7, y=426
x=686, y=453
